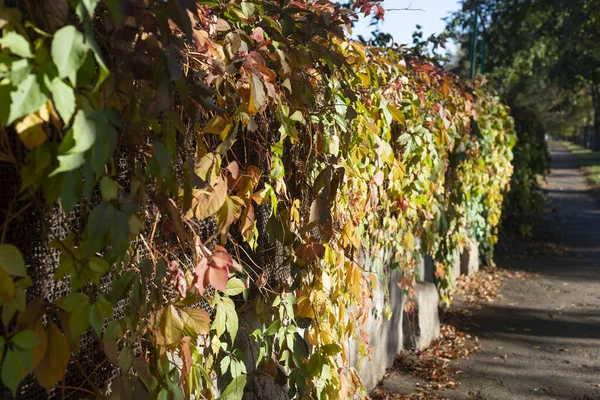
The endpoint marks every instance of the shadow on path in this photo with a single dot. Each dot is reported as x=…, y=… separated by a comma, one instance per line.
x=542, y=340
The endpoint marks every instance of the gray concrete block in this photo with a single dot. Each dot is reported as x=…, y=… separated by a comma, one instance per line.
x=386, y=335
x=263, y=387
x=422, y=325
x=456, y=265
x=426, y=269
x=259, y=386
x=469, y=259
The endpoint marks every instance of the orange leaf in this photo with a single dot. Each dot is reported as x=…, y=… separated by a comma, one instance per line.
x=186, y=357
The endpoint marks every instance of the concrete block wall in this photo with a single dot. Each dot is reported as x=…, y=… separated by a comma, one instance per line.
x=469, y=258
x=389, y=337
x=386, y=334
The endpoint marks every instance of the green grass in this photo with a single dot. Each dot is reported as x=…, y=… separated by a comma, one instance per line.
x=589, y=161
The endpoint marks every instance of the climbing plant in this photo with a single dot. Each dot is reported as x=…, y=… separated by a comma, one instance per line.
x=166, y=128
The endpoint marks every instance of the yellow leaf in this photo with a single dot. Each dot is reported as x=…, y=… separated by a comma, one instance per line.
x=397, y=114
x=217, y=126
x=170, y=327
x=305, y=308
x=196, y=319
x=257, y=94
x=364, y=78
x=208, y=203
x=374, y=281
x=31, y=131
x=408, y=241
x=52, y=367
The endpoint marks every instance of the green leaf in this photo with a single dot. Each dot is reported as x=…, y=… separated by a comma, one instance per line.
x=235, y=390
x=17, y=44
x=63, y=97
x=116, y=10
x=19, y=70
x=101, y=310
x=314, y=364
x=26, y=99
x=13, y=371
x=122, y=286
x=90, y=6
x=331, y=349
x=273, y=328
x=91, y=41
x=5, y=89
x=12, y=261
x=73, y=301
x=8, y=311
x=68, y=51
x=232, y=317
x=68, y=162
x=125, y=359
x=106, y=141
x=109, y=189
x=224, y=364
x=234, y=287
x=79, y=321
x=84, y=133
x=99, y=220
x=248, y=8
x=70, y=190
x=100, y=265
x=119, y=233
x=220, y=319
x=141, y=366
x=25, y=340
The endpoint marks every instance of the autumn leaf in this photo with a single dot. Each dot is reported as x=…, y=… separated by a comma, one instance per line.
x=221, y=258
x=196, y=319
x=247, y=221
x=257, y=94
x=169, y=329
x=310, y=252
x=53, y=365
x=176, y=278
x=209, y=202
x=31, y=130
x=186, y=357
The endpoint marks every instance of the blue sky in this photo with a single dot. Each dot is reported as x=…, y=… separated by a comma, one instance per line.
x=401, y=24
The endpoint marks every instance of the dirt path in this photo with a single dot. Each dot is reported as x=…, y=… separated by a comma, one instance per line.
x=542, y=339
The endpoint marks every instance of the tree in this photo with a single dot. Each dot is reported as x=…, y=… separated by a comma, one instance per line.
x=538, y=44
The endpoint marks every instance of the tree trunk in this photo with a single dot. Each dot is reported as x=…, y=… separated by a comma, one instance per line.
x=596, y=132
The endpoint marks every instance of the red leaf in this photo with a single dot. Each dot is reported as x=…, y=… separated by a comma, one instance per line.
x=221, y=259
x=218, y=278
x=200, y=276
x=177, y=278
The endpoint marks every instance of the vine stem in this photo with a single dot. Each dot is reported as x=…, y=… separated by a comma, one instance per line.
x=78, y=389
